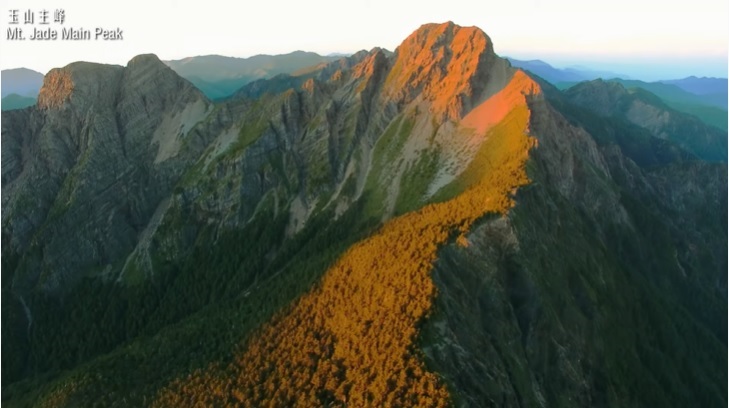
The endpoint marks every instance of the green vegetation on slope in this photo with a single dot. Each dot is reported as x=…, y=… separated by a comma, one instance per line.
x=132, y=340
x=711, y=115
x=388, y=147
x=350, y=339
x=127, y=342
x=415, y=182
x=496, y=145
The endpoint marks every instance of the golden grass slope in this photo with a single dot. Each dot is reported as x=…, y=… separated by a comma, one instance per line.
x=351, y=340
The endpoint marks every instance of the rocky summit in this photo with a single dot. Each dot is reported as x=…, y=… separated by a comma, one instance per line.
x=426, y=227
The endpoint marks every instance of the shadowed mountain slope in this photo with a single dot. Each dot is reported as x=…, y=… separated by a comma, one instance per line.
x=428, y=227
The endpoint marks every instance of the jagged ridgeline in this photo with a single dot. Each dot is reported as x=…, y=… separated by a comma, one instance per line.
x=429, y=227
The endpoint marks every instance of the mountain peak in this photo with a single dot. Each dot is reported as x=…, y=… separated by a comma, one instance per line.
x=92, y=83
x=446, y=37
x=146, y=65
x=610, y=90
x=602, y=96
x=81, y=80
x=446, y=64
x=145, y=59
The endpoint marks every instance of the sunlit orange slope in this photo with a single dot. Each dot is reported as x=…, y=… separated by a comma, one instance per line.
x=351, y=341
x=496, y=107
x=444, y=64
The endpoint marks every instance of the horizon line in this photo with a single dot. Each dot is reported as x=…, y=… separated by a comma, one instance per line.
x=588, y=61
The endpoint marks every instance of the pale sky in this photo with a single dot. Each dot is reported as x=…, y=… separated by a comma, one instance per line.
x=657, y=39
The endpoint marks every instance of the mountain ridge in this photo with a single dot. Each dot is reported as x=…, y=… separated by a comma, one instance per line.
x=559, y=75
x=705, y=98
x=220, y=76
x=482, y=219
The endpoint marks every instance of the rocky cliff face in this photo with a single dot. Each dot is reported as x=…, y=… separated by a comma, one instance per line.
x=593, y=253
x=444, y=64
x=86, y=169
x=512, y=233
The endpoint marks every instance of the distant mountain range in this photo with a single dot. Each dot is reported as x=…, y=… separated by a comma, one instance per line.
x=711, y=107
x=705, y=98
x=21, y=81
x=640, y=107
x=15, y=101
x=219, y=77
x=558, y=75
x=700, y=86
x=20, y=87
